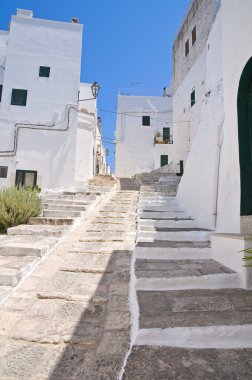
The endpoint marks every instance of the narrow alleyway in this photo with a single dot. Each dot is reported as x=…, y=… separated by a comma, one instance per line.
x=70, y=318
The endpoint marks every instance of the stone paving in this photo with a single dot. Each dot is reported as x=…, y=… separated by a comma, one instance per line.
x=70, y=318
x=25, y=246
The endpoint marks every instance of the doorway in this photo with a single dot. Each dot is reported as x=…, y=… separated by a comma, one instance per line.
x=26, y=178
x=163, y=160
x=244, y=109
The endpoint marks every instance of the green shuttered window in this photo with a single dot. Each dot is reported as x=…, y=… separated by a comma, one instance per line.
x=146, y=120
x=44, y=71
x=18, y=97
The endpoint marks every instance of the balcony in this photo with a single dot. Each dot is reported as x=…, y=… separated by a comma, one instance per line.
x=159, y=139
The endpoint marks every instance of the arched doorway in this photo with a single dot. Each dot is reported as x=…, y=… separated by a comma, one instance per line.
x=244, y=108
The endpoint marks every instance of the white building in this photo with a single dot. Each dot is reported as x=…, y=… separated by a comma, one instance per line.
x=41, y=140
x=144, y=135
x=212, y=81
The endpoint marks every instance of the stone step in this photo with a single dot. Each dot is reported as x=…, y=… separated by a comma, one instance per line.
x=26, y=247
x=194, y=308
x=62, y=214
x=51, y=221
x=168, y=223
x=162, y=208
x=71, y=197
x=163, y=215
x=67, y=202
x=14, y=269
x=148, y=268
x=42, y=230
x=173, y=236
x=150, y=229
x=56, y=206
x=157, y=362
x=182, y=253
x=173, y=244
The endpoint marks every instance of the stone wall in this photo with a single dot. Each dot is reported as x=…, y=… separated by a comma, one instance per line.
x=201, y=14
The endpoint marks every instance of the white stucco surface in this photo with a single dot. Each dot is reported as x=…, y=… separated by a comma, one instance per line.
x=135, y=148
x=51, y=142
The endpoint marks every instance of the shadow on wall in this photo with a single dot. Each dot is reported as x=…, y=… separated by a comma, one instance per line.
x=101, y=338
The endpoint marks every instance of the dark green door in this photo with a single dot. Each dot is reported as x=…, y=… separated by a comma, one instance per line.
x=163, y=160
x=166, y=134
x=244, y=106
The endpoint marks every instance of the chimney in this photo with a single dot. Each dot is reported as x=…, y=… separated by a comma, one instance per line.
x=24, y=13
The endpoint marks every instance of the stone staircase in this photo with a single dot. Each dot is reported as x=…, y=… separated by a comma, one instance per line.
x=191, y=319
x=101, y=182
x=24, y=246
x=157, y=180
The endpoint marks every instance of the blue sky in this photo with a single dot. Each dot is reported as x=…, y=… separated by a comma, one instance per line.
x=124, y=41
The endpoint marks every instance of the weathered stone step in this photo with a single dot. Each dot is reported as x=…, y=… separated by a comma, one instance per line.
x=115, y=214
x=70, y=197
x=173, y=235
x=182, y=253
x=62, y=214
x=103, y=235
x=198, y=307
x=26, y=247
x=67, y=202
x=158, y=362
x=148, y=268
x=56, y=206
x=173, y=244
x=14, y=269
x=42, y=230
x=170, y=223
x=167, y=215
x=151, y=208
x=114, y=220
x=51, y=221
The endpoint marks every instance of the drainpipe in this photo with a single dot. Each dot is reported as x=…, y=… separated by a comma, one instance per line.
x=37, y=127
x=219, y=141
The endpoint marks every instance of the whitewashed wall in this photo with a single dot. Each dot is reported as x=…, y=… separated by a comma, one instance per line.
x=236, y=51
x=198, y=186
x=212, y=173
x=135, y=149
x=33, y=43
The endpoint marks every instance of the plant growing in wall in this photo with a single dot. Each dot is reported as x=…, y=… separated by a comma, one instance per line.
x=248, y=257
x=17, y=205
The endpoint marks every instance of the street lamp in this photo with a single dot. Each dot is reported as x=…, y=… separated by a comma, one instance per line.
x=95, y=87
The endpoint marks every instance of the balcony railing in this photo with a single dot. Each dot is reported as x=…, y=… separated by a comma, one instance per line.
x=159, y=139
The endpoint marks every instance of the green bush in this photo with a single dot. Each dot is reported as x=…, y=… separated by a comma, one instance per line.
x=17, y=205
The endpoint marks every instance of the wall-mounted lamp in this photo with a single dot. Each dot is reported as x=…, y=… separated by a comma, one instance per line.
x=95, y=87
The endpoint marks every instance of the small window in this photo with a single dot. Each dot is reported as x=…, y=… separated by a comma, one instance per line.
x=193, y=99
x=166, y=134
x=1, y=90
x=44, y=71
x=146, y=120
x=186, y=47
x=163, y=160
x=18, y=97
x=193, y=35
x=3, y=171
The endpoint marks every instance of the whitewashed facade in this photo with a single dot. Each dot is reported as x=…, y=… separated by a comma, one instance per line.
x=40, y=136
x=216, y=156
x=144, y=134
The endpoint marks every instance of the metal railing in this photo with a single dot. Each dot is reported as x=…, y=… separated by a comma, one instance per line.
x=159, y=139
